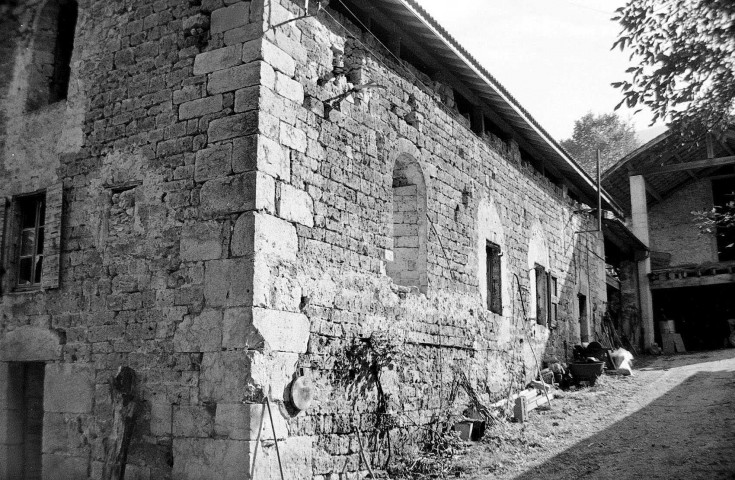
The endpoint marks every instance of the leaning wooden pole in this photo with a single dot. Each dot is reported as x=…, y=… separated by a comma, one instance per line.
x=122, y=390
x=599, y=191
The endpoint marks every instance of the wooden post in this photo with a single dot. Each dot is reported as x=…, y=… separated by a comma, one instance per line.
x=122, y=390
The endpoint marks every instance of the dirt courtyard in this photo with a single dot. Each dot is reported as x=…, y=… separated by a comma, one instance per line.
x=674, y=419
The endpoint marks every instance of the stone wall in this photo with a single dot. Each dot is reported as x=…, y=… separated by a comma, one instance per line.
x=225, y=230
x=672, y=229
x=345, y=161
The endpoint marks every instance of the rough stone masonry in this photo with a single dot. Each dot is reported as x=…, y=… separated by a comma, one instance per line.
x=197, y=197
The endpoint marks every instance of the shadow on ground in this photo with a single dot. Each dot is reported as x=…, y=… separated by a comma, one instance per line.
x=687, y=433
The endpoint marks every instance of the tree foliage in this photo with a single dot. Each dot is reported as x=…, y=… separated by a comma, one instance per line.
x=614, y=137
x=719, y=220
x=684, y=61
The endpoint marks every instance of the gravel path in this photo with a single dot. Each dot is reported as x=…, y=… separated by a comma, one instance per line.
x=674, y=419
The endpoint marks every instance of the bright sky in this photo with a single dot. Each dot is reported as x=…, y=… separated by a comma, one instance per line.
x=553, y=56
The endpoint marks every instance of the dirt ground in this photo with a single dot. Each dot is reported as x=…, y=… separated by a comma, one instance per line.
x=674, y=419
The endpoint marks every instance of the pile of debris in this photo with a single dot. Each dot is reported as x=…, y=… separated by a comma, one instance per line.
x=589, y=363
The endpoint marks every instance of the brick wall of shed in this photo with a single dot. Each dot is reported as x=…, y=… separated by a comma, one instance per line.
x=672, y=229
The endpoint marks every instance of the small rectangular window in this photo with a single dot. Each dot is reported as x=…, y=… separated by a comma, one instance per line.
x=32, y=212
x=553, y=301
x=584, y=326
x=494, y=298
x=30, y=240
x=542, y=295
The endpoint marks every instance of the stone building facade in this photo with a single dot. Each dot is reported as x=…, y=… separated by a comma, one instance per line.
x=226, y=196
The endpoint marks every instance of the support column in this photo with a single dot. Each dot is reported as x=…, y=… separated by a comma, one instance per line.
x=639, y=217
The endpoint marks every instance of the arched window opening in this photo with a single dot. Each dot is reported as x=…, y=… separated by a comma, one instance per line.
x=53, y=44
x=408, y=267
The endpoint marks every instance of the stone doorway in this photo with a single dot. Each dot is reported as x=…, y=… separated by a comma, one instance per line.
x=25, y=419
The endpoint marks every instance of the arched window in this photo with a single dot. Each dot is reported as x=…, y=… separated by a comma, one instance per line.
x=408, y=267
x=53, y=44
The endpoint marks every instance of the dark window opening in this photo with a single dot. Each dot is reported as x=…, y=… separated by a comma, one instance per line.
x=348, y=12
x=67, y=22
x=492, y=260
x=32, y=212
x=383, y=35
x=464, y=106
x=26, y=410
x=53, y=45
x=723, y=193
x=413, y=59
x=584, y=335
x=537, y=164
x=493, y=129
x=553, y=301
x=543, y=299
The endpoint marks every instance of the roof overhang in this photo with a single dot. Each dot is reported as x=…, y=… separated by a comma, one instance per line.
x=415, y=21
x=667, y=163
x=623, y=239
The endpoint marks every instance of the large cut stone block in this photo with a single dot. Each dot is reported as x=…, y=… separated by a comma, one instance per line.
x=288, y=88
x=199, y=333
x=30, y=344
x=210, y=459
x=213, y=162
x=233, y=16
x=200, y=107
x=273, y=287
x=295, y=205
x=222, y=459
x=278, y=59
x=228, y=282
x=273, y=372
x=59, y=467
x=225, y=377
x=201, y=241
x=161, y=416
x=222, y=196
x=237, y=329
x=66, y=434
x=249, y=421
x=282, y=331
x=68, y=387
x=293, y=137
x=237, y=376
x=233, y=126
x=265, y=234
x=265, y=329
x=193, y=421
x=241, y=76
x=218, y=59
x=248, y=98
x=258, y=152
